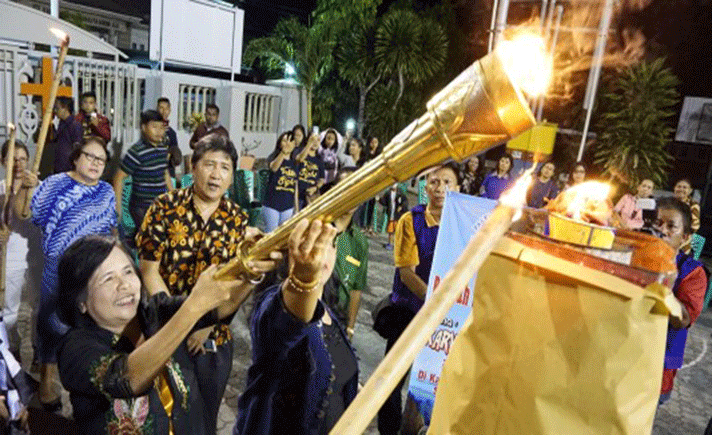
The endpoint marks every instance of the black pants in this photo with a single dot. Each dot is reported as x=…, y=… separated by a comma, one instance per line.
x=138, y=212
x=391, y=413
x=213, y=371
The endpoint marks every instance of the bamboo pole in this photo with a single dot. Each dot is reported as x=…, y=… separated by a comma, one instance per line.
x=47, y=116
x=5, y=224
x=399, y=359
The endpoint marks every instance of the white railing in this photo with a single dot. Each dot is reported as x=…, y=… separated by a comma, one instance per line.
x=193, y=99
x=261, y=110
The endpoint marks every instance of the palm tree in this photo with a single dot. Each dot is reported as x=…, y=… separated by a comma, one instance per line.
x=636, y=123
x=308, y=49
x=410, y=48
x=356, y=64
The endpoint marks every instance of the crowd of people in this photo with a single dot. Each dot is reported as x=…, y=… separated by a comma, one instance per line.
x=136, y=326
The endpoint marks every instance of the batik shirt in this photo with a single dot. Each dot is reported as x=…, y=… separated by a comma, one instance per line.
x=174, y=234
x=93, y=368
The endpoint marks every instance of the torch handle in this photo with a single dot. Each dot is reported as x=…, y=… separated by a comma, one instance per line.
x=47, y=116
x=399, y=359
x=10, y=160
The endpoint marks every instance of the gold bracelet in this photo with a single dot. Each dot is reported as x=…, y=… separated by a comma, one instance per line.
x=292, y=287
x=299, y=283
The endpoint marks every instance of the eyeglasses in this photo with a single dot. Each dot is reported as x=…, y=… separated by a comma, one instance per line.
x=94, y=159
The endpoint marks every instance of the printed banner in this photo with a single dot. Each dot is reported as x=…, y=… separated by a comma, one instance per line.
x=462, y=217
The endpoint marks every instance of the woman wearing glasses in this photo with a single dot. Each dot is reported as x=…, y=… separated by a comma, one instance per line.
x=66, y=207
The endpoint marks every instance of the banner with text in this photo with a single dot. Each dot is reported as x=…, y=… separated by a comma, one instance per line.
x=462, y=217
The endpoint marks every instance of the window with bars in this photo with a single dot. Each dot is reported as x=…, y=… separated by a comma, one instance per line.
x=192, y=101
x=260, y=112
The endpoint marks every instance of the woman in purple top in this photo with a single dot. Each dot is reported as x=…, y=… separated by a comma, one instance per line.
x=499, y=180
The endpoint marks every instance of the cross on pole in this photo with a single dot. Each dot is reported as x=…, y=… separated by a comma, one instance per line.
x=42, y=89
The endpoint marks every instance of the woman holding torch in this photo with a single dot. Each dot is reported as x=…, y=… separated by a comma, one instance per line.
x=66, y=206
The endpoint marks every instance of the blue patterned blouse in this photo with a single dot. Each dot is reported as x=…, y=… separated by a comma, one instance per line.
x=66, y=210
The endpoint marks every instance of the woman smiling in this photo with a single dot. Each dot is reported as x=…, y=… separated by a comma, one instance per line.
x=125, y=361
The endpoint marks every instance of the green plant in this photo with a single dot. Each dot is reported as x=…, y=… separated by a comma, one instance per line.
x=636, y=123
x=410, y=48
x=307, y=49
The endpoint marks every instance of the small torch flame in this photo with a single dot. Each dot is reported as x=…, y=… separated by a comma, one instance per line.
x=10, y=126
x=60, y=34
x=516, y=196
x=527, y=63
x=581, y=195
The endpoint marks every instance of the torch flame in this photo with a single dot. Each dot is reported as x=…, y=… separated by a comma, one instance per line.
x=60, y=34
x=10, y=126
x=585, y=193
x=527, y=62
x=516, y=196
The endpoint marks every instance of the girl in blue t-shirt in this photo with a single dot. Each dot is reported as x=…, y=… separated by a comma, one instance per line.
x=278, y=204
x=499, y=180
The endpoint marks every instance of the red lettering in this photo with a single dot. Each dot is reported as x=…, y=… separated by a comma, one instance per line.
x=464, y=298
x=436, y=283
x=422, y=375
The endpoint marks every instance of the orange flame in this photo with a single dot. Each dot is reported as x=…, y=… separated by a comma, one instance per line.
x=527, y=62
x=580, y=196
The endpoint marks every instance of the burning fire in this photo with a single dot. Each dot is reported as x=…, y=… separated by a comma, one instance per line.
x=10, y=126
x=527, y=62
x=516, y=196
x=586, y=202
x=60, y=34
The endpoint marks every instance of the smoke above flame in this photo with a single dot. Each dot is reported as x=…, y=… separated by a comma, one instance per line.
x=578, y=36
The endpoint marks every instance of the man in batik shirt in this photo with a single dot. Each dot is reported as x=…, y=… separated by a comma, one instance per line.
x=183, y=233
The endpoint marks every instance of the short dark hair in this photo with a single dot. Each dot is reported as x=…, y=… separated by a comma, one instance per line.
x=576, y=165
x=672, y=203
x=67, y=103
x=79, y=146
x=686, y=180
x=214, y=142
x=18, y=144
x=544, y=163
x=507, y=156
x=449, y=165
x=86, y=94
x=75, y=269
x=212, y=106
x=150, y=116
x=163, y=100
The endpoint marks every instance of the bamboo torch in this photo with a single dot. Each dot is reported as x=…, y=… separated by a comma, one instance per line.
x=47, y=116
x=7, y=204
x=9, y=171
x=398, y=360
x=481, y=108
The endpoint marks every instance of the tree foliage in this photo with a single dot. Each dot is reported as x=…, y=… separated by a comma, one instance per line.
x=636, y=123
x=308, y=49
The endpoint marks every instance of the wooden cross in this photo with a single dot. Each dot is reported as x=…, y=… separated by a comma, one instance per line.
x=42, y=89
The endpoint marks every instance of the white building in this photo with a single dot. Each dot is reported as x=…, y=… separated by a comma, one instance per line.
x=253, y=114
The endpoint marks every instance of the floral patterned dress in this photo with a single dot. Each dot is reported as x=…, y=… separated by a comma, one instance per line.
x=92, y=366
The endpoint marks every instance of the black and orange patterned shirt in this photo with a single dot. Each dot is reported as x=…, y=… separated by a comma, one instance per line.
x=174, y=234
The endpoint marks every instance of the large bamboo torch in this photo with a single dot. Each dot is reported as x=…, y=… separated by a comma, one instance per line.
x=47, y=116
x=9, y=172
x=479, y=109
x=399, y=359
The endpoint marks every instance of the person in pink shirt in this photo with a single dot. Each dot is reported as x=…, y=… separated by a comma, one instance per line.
x=631, y=216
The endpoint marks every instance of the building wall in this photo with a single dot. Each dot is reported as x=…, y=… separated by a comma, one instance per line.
x=278, y=108
x=117, y=29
